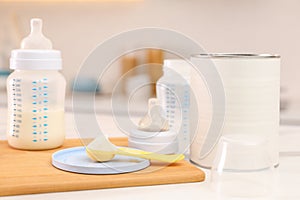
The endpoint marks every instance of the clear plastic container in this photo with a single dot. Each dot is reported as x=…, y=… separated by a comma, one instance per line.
x=173, y=93
x=36, y=95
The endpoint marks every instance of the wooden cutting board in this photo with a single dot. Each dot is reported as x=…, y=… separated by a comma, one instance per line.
x=30, y=172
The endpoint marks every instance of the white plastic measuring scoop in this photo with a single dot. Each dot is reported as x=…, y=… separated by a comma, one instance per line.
x=101, y=149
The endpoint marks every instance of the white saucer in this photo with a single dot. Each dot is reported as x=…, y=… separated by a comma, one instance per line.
x=76, y=160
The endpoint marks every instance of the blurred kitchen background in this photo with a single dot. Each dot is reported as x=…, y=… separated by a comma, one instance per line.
x=77, y=27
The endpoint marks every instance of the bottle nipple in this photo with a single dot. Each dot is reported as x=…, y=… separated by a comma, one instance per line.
x=36, y=39
x=154, y=121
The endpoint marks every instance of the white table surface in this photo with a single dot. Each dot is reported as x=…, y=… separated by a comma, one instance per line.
x=288, y=186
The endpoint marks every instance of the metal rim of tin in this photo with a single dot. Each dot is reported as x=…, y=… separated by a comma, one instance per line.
x=235, y=55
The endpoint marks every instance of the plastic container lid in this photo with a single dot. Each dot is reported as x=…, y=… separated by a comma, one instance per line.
x=162, y=148
x=164, y=142
x=76, y=160
x=155, y=137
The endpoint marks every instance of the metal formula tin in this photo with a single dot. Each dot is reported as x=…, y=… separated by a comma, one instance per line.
x=252, y=91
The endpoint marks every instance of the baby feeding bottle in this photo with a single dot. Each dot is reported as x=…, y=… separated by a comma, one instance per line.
x=36, y=93
x=173, y=93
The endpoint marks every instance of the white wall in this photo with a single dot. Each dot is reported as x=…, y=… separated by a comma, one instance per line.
x=262, y=26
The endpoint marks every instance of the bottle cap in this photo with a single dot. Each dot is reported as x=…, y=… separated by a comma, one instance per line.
x=36, y=51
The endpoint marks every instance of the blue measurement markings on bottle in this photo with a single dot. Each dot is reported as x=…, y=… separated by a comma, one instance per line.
x=40, y=110
x=177, y=101
x=17, y=107
x=44, y=89
x=171, y=101
x=35, y=116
